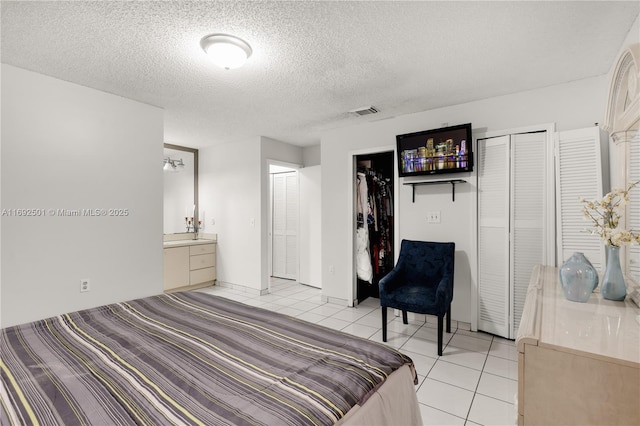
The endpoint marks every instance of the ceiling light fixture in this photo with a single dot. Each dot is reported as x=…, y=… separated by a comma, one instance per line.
x=225, y=50
x=171, y=165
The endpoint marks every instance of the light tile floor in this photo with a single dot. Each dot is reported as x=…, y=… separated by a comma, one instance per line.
x=473, y=383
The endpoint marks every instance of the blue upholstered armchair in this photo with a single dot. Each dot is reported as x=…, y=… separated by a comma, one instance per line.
x=421, y=282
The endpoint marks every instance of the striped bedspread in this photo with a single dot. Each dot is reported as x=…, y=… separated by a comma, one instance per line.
x=185, y=358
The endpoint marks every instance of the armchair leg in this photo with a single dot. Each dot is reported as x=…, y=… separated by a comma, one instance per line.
x=384, y=323
x=440, y=335
x=449, y=319
x=404, y=317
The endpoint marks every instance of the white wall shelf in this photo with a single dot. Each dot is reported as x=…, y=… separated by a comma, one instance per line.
x=453, y=183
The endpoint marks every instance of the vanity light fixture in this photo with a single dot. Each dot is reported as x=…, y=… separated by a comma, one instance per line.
x=225, y=50
x=173, y=165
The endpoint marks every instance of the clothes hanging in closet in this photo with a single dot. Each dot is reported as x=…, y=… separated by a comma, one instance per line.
x=374, y=226
x=363, y=257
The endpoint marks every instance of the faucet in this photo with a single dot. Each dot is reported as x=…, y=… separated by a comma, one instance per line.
x=196, y=229
x=192, y=226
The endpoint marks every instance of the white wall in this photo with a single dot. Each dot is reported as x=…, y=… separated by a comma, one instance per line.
x=66, y=146
x=1, y=325
x=633, y=36
x=570, y=106
x=234, y=191
x=229, y=193
x=271, y=151
x=311, y=155
x=310, y=230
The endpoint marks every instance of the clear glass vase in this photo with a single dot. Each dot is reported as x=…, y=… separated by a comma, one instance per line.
x=578, y=278
x=613, y=285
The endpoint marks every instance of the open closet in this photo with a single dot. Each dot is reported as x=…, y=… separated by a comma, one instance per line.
x=374, y=237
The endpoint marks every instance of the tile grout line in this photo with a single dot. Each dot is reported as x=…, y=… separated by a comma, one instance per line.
x=475, y=392
x=442, y=411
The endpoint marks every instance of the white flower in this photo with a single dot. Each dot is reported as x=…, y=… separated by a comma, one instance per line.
x=605, y=215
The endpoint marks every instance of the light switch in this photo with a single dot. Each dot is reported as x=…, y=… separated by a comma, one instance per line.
x=433, y=217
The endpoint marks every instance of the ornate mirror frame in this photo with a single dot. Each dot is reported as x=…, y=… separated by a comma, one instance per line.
x=622, y=122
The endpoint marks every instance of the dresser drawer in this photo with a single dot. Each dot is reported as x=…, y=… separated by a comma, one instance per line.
x=202, y=249
x=202, y=275
x=201, y=261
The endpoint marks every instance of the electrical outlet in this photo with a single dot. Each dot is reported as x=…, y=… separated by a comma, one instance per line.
x=85, y=285
x=433, y=217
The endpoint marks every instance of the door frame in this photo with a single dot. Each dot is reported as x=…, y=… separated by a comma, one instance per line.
x=269, y=229
x=550, y=208
x=286, y=175
x=352, y=299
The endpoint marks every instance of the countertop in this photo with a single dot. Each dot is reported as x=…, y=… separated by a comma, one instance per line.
x=186, y=239
x=182, y=243
x=600, y=327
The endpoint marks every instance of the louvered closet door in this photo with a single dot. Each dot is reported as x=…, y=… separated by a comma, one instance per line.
x=633, y=209
x=527, y=216
x=285, y=225
x=578, y=174
x=493, y=235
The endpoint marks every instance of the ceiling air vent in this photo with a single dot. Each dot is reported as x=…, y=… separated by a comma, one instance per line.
x=364, y=110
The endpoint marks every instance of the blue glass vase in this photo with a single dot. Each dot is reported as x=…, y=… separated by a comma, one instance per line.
x=613, y=286
x=578, y=278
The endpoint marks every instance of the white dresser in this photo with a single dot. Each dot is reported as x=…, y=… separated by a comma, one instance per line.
x=578, y=363
x=189, y=264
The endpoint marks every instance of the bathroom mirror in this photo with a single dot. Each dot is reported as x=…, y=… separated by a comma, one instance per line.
x=180, y=188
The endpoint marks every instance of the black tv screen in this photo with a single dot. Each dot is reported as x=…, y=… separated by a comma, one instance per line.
x=430, y=152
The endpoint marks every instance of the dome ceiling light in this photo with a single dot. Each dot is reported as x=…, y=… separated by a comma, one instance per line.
x=225, y=50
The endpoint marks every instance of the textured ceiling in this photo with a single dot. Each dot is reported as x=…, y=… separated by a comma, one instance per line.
x=312, y=61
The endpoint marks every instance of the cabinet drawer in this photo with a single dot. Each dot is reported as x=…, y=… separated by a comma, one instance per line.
x=201, y=261
x=202, y=275
x=202, y=249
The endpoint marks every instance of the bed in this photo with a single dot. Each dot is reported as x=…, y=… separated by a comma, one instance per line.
x=196, y=358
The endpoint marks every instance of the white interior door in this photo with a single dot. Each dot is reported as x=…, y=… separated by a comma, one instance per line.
x=493, y=235
x=528, y=151
x=579, y=173
x=285, y=225
x=513, y=181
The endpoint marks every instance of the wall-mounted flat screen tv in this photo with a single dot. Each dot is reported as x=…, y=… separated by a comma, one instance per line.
x=430, y=152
